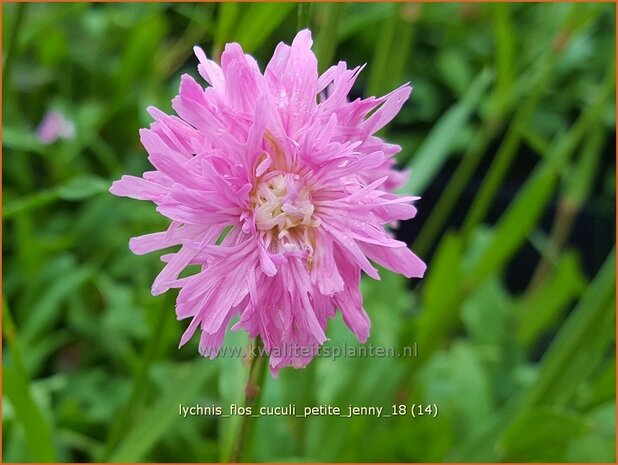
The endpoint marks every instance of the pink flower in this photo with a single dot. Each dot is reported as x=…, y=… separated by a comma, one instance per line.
x=55, y=126
x=278, y=188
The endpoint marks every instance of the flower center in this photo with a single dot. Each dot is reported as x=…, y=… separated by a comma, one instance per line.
x=281, y=202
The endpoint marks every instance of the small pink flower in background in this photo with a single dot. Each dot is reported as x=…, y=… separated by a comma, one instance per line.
x=55, y=126
x=280, y=193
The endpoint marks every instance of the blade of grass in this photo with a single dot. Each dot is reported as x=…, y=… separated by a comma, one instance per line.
x=505, y=46
x=17, y=388
x=512, y=141
x=542, y=308
x=379, y=79
x=581, y=342
x=175, y=55
x=78, y=188
x=258, y=22
x=9, y=55
x=507, y=150
x=326, y=39
x=360, y=20
x=304, y=15
x=400, y=53
x=227, y=17
x=46, y=310
x=430, y=232
x=575, y=192
x=523, y=213
x=435, y=148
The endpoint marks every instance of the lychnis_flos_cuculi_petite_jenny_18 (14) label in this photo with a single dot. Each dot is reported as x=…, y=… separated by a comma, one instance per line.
x=279, y=190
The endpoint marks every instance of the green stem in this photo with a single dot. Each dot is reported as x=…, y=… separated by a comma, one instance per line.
x=392, y=51
x=563, y=222
x=327, y=38
x=10, y=335
x=511, y=143
x=565, y=364
x=257, y=368
x=569, y=205
x=32, y=202
x=506, y=153
x=12, y=45
x=452, y=193
x=304, y=15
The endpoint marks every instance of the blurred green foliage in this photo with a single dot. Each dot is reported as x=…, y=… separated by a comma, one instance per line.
x=91, y=370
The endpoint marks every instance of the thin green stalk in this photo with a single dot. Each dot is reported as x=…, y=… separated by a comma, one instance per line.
x=10, y=335
x=452, y=193
x=307, y=394
x=140, y=381
x=32, y=202
x=400, y=55
x=505, y=50
x=523, y=213
x=253, y=388
x=392, y=50
x=569, y=359
x=512, y=141
x=11, y=46
x=570, y=204
x=508, y=149
x=227, y=17
x=304, y=15
x=436, y=147
x=327, y=38
x=563, y=222
x=174, y=56
x=381, y=55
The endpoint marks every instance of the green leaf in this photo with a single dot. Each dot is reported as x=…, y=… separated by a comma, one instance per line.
x=362, y=17
x=541, y=435
x=485, y=313
x=82, y=187
x=435, y=149
x=458, y=382
x=392, y=50
x=46, y=310
x=326, y=38
x=21, y=139
x=581, y=343
x=599, y=444
x=505, y=50
x=78, y=188
x=441, y=295
x=139, y=52
x=516, y=223
x=31, y=202
x=227, y=17
x=38, y=435
x=539, y=311
x=17, y=389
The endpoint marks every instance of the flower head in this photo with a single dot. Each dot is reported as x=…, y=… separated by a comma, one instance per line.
x=276, y=185
x=55, y=126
